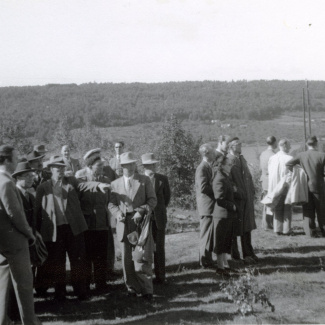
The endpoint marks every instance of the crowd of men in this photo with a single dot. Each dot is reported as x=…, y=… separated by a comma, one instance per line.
x=74, y=209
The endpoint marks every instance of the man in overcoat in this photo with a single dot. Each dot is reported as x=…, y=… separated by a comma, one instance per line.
x=244, y=199
x=159, y=218
x=205, y=203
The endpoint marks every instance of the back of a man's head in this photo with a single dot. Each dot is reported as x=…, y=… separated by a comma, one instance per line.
x=271, y=140
x=312, y=141
x=6, y=153
x=284, y=144
x=205, y=149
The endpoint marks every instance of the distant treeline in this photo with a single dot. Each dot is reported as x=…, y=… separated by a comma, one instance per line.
x=42, y=107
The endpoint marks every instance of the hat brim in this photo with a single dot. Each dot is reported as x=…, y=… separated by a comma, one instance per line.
x=127, y=162
x=36, y=158
x=150, y=162
x=23, y=171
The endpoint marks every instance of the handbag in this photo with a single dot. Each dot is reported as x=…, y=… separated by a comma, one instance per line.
x=38, y=252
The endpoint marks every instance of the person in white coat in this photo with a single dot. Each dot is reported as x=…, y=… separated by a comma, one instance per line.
x=277, y=171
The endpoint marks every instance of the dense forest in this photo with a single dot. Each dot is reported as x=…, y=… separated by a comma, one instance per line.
x=41, y=107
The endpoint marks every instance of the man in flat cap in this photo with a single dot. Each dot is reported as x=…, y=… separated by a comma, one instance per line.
x=159, y=217
x=72, y=164
x=313, y=163
x=60, y=221
x=109, y=173
x=267, y=217
x=132, y=199
x=205, y=203
x=115, y=162
x=244, y=199
x=15, y=237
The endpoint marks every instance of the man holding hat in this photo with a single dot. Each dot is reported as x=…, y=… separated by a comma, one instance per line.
x=61, y=223
x=132, y=197
x=244, y=192
x=159, y=217
x=72, y=164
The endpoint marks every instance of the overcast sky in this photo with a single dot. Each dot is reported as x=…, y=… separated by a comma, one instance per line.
x=79, y=41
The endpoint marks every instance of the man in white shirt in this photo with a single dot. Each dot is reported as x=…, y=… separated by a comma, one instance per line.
x=115, y=162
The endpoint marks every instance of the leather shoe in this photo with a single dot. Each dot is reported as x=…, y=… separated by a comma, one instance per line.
x=131, y=293
x=249, y=260
x=222, y=272
x=148, y=297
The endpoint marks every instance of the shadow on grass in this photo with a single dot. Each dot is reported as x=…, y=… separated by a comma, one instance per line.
x=291, y=249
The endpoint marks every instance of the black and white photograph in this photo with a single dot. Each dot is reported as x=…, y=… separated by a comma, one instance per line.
x=162, y=162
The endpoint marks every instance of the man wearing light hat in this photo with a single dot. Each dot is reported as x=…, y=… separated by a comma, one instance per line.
x=61, y=223
x=108, y=172
x=132, y=197
x=159, y=217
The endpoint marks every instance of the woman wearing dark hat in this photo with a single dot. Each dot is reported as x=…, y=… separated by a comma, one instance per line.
x=223, y=214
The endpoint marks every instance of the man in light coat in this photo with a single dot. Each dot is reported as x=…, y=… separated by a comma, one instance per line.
x=267, y=218
x=205, y=203
x=132, y=197
x=277, y=170
x=15, y=237
x=159, y=217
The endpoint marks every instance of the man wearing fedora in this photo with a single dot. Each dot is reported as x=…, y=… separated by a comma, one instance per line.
x=60, y=221
x=40, y=176
x=159, y=217
x=115, y=162
x=72, y=164
x=132, y=197
x=110, y=174
x=40, y=149
x=15, y=237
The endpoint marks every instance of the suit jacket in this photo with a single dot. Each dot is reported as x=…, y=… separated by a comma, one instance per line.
x=28, y=204
x=45, y=209
x=107, y=171
x=116, y=166
x=313, y=163
x=14, y=228
x=162, y=191
x=142, y=198
x=203, y=187
x=94, y=205
x=72, y=165
x=264, y=161
x=224, y=195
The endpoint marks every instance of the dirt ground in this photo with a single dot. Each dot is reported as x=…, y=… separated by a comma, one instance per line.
x=291, y=269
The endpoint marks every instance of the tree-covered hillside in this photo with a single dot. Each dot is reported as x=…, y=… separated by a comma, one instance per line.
x=42, y=107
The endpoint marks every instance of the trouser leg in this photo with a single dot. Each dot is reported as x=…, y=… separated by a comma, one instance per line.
x=246, y=242
x=5, y=283
x=234, y=248
x=206, y=240
x=287, y=218
x=143, y=273
x=159, y=254
x=22, y=280
x=76, y=252
x=88, y=259
x=319, y=200
x=309, y=210
x=99, y=256
x=110, y=251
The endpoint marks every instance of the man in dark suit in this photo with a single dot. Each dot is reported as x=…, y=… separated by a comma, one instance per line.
x=205, y=203
x=313, y=162
x=159, y=220
x=60, y=221
x=72, y=164
x=15, y=236
x=115, y=162
x=132, y=197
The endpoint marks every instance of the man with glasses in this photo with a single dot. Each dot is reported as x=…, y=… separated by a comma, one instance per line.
x=115, y=162
x=244, y=192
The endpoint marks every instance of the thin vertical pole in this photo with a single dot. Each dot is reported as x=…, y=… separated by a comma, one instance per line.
x=308, y=107
x=304, y=107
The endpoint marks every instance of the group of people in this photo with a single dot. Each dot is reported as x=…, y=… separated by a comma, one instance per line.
x=225, y=201
x=74, y=209
x=288, y=180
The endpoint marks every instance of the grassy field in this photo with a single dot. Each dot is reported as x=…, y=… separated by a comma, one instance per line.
x=291, y=269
